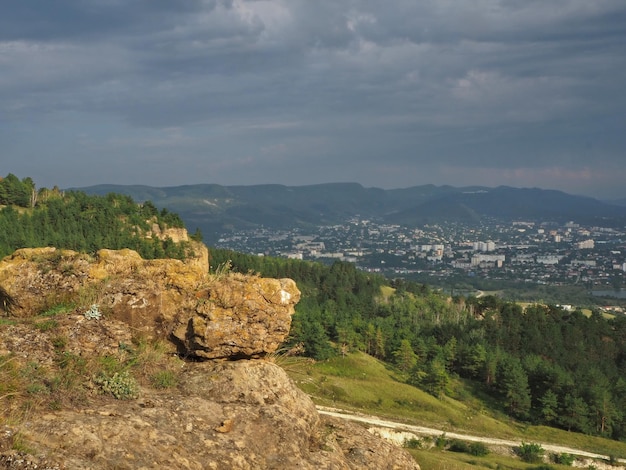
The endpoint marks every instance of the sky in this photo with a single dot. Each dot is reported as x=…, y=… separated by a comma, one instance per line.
x=389, y=94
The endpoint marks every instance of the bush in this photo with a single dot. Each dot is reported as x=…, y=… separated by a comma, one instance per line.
x=413, y=443
x=121, y=385
x=440, y=441
x=478, y=449
x=531, y=453
x=563, y=459
x=459, y=446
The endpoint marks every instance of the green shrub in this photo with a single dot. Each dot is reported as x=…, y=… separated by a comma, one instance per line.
x=563, y=459
x=121, y=385
x=440, y=441
x=531, y=453
x=459, y=446
x=478, y=449
x=413, y=443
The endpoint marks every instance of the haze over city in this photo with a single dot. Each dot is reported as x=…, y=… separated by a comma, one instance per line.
x=387, y=94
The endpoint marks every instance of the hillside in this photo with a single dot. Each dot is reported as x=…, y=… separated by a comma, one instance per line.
x=112, y=361
x=361, y=388
x=539, y=364
x=218, y=209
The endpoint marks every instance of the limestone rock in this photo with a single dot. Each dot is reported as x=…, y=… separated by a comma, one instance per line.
x=232, y=316
x=239, y=317
x=226, y=415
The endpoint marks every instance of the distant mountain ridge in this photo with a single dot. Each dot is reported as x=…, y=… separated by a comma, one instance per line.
x=217, y=209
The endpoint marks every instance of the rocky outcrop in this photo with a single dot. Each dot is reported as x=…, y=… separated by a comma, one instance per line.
x=226, y=415
x=236, y=414
x=233, y=316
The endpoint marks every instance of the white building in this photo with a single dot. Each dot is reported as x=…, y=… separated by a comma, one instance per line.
x=498, y=260
x=585, y=245
x=484, y=246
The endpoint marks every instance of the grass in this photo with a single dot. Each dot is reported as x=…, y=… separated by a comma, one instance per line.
x=28, y=387
x=359, y=382
x=434, y=459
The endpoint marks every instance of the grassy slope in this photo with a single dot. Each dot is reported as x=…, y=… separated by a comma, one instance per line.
x=360, y=382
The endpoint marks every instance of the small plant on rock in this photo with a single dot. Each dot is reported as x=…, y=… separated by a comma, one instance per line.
x=121, y=385
x=164, y=379
x=93, y=313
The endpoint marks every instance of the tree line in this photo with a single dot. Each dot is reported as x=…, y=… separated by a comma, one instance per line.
x=541, y=364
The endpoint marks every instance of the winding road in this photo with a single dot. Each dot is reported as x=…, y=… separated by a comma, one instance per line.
x=424, y=431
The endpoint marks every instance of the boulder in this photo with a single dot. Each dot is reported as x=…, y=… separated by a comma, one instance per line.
x=239, y=316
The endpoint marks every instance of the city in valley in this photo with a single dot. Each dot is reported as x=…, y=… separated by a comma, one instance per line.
x=523, y=252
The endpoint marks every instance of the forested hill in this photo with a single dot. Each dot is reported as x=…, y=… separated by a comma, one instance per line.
x=77, y=221
x=542, y=364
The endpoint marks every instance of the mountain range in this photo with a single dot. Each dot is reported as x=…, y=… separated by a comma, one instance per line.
x=216, y=209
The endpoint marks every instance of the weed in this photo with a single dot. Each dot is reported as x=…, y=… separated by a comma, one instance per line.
x=287, y=359
x=121, y=385
x=89, y=295
x=58, y=309
x=46, y=325
x=110, y=364
x=71, y=373
x=223, y=270
x=93, y=313
x=164, y=379
x=19, y=444
x=9, y=377
x=59, y=342
x=67, y=268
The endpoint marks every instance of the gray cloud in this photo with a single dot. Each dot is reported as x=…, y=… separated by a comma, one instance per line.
x=526, y=93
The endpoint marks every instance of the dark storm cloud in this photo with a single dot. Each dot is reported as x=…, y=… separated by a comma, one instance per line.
x=386, y=93
x=87, y=19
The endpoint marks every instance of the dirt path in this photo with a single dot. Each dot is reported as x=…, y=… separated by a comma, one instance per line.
x=423, y=431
